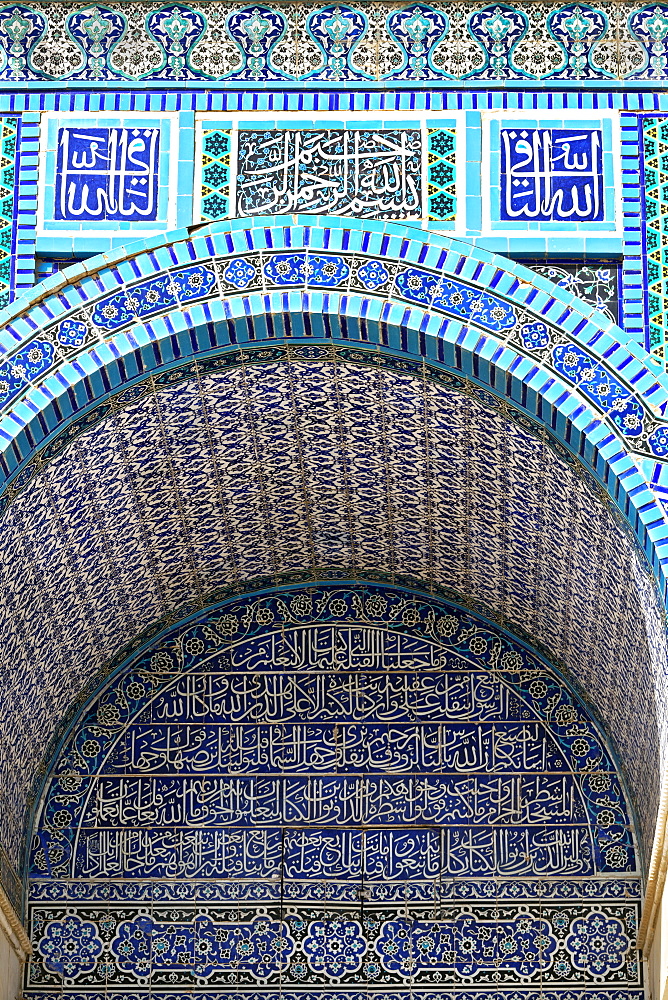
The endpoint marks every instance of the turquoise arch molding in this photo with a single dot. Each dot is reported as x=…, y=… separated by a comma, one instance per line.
x=96, y=327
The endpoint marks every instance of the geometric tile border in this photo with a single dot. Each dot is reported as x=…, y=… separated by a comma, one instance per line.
x=9, y=134
x=655, y=221
x=632, y=305
x=632, y=101
x=26, y=201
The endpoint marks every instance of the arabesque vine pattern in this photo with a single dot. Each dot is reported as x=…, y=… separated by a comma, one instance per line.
x=336, y=43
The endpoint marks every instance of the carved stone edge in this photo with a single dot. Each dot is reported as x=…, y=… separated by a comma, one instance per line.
x=13, y=928
x=658, y=869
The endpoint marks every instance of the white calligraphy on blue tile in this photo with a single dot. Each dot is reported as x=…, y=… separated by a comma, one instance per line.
x=107, y=173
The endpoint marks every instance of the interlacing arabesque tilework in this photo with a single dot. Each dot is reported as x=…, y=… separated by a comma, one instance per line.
x=268, y=798
x=594, y=282
x=334, y=43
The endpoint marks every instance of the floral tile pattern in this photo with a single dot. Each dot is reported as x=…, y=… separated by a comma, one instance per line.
x=429, y=44
x=261, y=758
x=594, y=282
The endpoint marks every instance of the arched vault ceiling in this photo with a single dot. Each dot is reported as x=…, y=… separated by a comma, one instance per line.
x=302, y=468
x=101, y=324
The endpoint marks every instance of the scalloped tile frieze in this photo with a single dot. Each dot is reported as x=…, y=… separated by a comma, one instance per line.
x=323, y=44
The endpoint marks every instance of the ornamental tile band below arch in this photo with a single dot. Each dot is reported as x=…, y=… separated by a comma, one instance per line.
x=311, y=269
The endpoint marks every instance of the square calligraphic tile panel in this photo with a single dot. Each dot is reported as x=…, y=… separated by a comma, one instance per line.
x=555, y=173
x=409, y=167
x=103, y=175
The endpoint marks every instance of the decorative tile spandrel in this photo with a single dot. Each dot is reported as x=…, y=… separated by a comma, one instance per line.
x=595, y=282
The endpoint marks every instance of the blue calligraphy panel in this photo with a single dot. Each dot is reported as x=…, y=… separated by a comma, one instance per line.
x=104, y=180
x=331, y=789
x=368, y=174
x=552, y=175
x=107, y=173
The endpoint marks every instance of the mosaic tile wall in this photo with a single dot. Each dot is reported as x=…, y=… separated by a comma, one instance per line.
x=115, y=312
x=439, y=183
x=103, y=179
x=319, y=784
x=626, y=242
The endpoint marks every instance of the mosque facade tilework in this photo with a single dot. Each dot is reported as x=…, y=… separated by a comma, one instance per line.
x=498, y=282
x=272, y=401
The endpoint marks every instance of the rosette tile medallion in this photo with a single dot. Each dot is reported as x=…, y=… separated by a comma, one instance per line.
x=333, y=499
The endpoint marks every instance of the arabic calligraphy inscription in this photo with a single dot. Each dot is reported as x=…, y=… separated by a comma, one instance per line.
x=552, y=175
x=366, y=173
x=107, y=173
x=327, y=789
